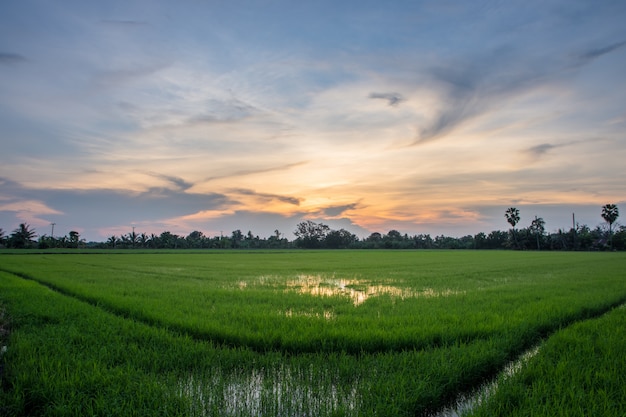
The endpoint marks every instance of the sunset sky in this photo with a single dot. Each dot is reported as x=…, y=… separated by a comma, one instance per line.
x=419, y=116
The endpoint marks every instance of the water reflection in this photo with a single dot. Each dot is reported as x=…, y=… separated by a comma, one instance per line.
x=282, y=392
x=326, y=314
x=357, y=290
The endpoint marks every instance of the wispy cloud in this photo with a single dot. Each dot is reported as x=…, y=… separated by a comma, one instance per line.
x=473, y=87
x=246, y=172
x=10, y=58
x=592, y=54
x=336, y=211
x=178, y=182
x=266, y=196
x=540, y=150
x=393, y=99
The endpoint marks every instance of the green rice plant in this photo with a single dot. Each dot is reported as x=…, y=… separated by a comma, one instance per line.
x=185, y=334
x=579, y=371
x=250, y=299
x=69, y=358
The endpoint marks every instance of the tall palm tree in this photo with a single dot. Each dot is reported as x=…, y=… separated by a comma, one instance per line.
x=610, y=213
x=512, y=216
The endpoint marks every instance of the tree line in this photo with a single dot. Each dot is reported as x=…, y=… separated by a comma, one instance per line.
x=312, y=235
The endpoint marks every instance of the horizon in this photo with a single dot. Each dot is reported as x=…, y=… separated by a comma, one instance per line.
x=421, y=117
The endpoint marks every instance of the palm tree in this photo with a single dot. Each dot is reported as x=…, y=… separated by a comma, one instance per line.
x=538, y=227
x=512, y=216
x=23, y=236
x=112, y=241
x=610, y=213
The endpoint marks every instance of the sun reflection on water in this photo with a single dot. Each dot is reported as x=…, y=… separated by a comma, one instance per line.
x=358, y=291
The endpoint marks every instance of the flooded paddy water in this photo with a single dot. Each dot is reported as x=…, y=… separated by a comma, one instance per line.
x=355, y=289
x=280, y=392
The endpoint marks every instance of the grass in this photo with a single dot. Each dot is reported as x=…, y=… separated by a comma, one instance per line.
x=185, y=333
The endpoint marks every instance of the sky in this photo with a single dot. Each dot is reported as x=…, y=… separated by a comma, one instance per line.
x=426, y=117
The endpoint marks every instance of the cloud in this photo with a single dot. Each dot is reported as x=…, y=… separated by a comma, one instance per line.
x=598, y=52
x=469, y=88
x=105, y=207
x=335, y=211
x=267, y=197
x=474, y=86
x=540, y=150
x=393, y=99
x=9, y=58
x=224, y=111
x=180, y=183
x=242, y=173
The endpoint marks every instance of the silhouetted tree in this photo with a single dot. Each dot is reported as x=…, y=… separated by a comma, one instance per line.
x=168, y=240
x=74, y=239
x=537, y=227
x=610, y=213
x=195, y=239
x=22, y=237
x=339, y=239
x=512, y=216
x=236, y=238
x=310, y=234
x=112, y=242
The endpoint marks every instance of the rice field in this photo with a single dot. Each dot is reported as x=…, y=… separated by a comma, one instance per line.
x=299, y=333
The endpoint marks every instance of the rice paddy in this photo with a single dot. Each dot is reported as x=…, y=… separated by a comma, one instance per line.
x=301, y=333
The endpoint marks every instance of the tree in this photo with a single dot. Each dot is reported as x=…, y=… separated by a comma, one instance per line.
x=143, y=240
x=236, y=238
x=310, y=234
x=169, y=240
x=112, y=241
x=1, y=237
x=339, y=239
x=74, y=239
x=537, y=227
x=512, y=216
x=132, y=238
x=23, y=236
x=610, y=213
x=195, y=239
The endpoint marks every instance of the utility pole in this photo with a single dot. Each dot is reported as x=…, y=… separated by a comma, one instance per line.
x=575, y=232
x=52, y=234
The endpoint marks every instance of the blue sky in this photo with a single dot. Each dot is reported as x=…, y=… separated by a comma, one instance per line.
x=420, y=116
